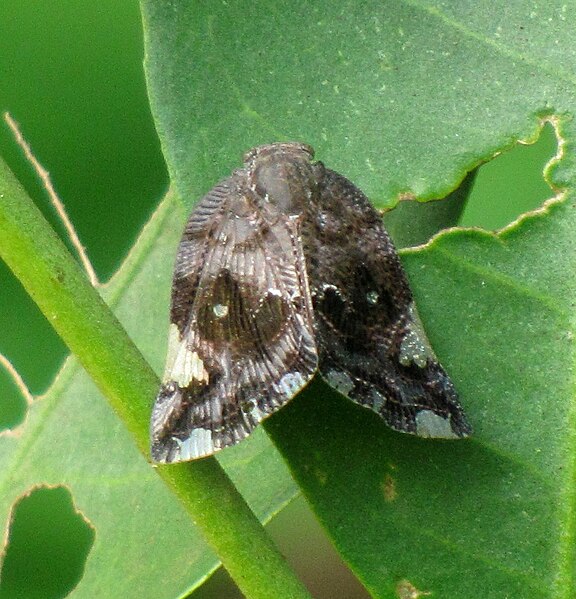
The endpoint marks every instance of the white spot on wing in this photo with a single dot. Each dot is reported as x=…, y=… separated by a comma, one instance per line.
x=415, y=347
x=256, y=414
x=198, y=444
x=174, y=343
x=340, y=381
x=372, y=297
x=291, y=383
x=182, y=364
x=378, y=400
x=330, y=287
x=429, y=424
x=197, y=368
x=220, y=310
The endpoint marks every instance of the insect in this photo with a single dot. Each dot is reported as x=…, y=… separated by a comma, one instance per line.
x=285, y=270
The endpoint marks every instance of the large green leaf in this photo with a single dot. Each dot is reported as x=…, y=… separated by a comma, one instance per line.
x=145, y=544
x=405, y=98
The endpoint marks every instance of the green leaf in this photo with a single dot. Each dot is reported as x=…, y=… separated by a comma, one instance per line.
x=145, y=543
x=405, y=99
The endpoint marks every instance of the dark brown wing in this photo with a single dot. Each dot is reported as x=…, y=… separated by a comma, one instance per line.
x=371, y=343
x=241, y=341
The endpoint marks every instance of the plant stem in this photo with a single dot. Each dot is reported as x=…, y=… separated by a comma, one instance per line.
x=79, y=315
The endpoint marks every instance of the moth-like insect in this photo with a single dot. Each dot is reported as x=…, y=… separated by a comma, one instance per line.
x=284, y=270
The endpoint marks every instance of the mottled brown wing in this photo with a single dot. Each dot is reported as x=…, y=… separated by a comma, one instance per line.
x=241, y=340
x=371, y=343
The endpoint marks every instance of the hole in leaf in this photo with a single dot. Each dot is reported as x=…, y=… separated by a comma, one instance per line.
x=511, y=184
x=47, y=546
x=12, y=403
x=308, y=551
x=32, y=344
x=412, y=223
x=311, y=553
x=217, y=586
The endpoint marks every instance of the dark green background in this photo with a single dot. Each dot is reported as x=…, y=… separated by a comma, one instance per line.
x=71, y=75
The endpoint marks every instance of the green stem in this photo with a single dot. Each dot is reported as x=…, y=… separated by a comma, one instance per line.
x=79, y=315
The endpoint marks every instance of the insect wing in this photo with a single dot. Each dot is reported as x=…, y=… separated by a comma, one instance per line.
x=241, y=334
x=371, y=343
